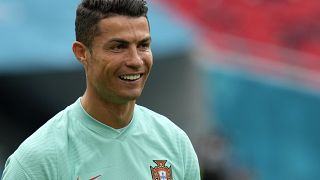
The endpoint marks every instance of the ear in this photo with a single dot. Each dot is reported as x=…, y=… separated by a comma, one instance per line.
x=80, y=52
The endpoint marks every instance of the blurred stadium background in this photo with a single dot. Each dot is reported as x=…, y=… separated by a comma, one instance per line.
x=241, y=77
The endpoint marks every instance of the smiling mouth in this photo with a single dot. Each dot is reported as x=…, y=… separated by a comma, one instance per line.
x=130, y=77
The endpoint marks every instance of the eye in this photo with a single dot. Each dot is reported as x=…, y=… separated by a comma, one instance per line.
x=144, y=46
x=118, y=47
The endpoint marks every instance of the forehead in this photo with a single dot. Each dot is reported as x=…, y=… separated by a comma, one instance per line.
x=123, y=27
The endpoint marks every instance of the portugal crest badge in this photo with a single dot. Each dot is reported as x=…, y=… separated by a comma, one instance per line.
x=161, y=171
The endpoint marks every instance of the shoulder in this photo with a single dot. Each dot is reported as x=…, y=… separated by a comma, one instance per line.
x=169, y=134
x=152, y=117
x=37, y=155
x=159, y=123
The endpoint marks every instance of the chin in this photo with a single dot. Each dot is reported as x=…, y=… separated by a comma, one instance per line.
x=131, y=96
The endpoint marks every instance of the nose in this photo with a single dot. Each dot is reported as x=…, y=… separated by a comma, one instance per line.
x=135, y=60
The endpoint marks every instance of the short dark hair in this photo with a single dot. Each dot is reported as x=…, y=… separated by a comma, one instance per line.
x=90, y=12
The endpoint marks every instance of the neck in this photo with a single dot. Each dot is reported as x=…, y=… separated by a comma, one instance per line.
x=112, y=114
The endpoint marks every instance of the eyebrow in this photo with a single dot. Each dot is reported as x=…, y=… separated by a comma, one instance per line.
x=146, y=39
x=119, y=40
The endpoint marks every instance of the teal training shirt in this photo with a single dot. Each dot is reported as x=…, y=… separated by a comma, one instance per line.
x=74, y=146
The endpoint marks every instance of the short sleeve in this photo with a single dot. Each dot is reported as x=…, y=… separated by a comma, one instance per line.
x=191, y=163
x=35, y=159
x=14, y=170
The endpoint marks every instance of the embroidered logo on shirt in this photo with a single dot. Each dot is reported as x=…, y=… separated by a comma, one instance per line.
x=93, y=178
x=161, y=171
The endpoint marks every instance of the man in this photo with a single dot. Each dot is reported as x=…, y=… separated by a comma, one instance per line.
x=104, y=135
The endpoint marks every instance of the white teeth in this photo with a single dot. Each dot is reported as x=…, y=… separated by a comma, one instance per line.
x=131, y=77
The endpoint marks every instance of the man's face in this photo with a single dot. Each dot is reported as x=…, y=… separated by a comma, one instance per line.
x=120, y=59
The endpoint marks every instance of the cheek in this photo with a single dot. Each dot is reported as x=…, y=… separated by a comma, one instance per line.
x=95, y=72
x=149, y=60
